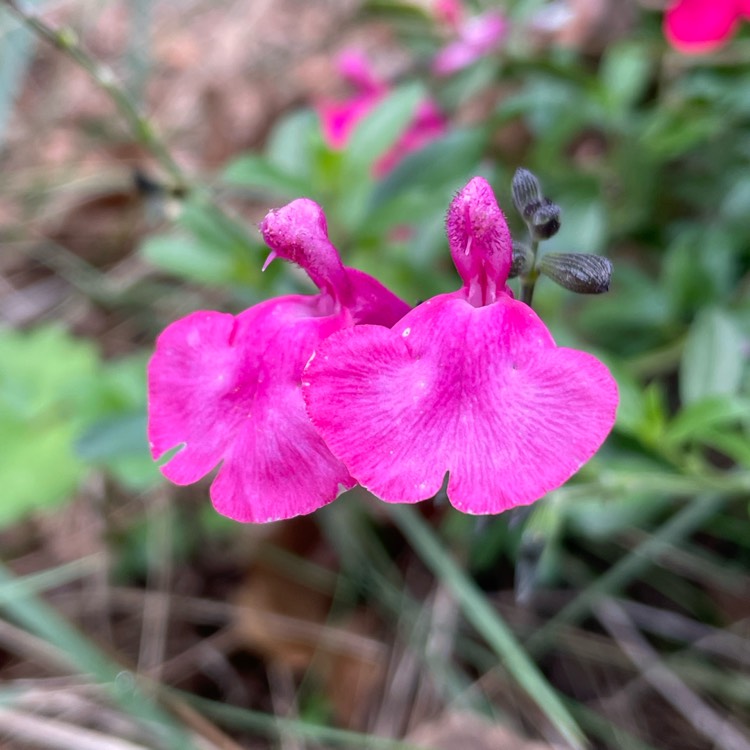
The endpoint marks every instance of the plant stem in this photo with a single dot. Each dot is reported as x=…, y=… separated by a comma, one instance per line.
x=529, y=280
x=104, y=77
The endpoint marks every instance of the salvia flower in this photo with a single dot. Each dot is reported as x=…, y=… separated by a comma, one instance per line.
x=699, y=26
x=226, y=390
x=340, y=118
x=468, y=383
x=475, y=37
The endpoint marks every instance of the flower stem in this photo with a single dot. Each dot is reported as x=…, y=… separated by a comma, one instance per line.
x=529, y=280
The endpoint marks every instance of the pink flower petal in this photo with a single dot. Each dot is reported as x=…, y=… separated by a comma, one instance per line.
x=228, y=389
x=429, y=124
x=372, y=302
x=479, y=36
x=448, y=11
x=340, y=118
x=482, y=393
x=355, y=67
x=480, y=241
x=699, y=26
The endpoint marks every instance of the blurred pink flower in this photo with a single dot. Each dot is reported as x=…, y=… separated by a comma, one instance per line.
x=699, y=26
x=429, y=124
x=469, y=383
x=340, y=118
x=225, y=389
x=477, y=37
x=448, y=11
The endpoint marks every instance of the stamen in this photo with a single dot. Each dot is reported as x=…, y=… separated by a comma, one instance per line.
x=271, y=257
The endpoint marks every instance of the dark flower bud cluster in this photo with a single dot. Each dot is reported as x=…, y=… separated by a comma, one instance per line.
x=578, y=272
x=541, y=215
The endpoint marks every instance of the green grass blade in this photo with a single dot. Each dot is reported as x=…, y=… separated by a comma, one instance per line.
x=48, y=579
x=272, y=726
x=83, y=656
x=488, y=622
x=681, y=525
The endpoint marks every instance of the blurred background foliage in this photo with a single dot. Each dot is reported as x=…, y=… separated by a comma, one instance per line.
x=629, y=587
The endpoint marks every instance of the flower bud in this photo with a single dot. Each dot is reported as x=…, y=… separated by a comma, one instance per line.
x=579, y=272
x=527, y=192
x=545, y=221
x=523, y=260
x=540, y=214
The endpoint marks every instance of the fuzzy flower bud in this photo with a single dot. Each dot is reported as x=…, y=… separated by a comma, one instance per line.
x=523, y=260
x=541, y=215
x=578, y=272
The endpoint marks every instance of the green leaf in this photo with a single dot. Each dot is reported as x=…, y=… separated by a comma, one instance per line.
x=188, y=258
x=732, y=444
x=700, y=417
x=114, y=436
x=122, y=435
x=624, y=72
x=713, y=359
x=212, y=248
x=670, y=132
x=45, y=377
x=700, y=267
x=38, y=469
x=598, y=517
x=254, y=171
x=448, y=159
x=292, y=142
x=380, y=130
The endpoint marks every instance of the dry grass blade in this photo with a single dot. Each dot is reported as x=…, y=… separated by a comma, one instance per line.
x=50, y=733
x=722, y=732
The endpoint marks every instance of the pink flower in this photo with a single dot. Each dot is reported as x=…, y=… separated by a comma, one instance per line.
x=469, y=383
x=429, y=124
x=698, y=26
x=477, y=37
x=227, y=388
x=448, y=11
x=339, y=119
